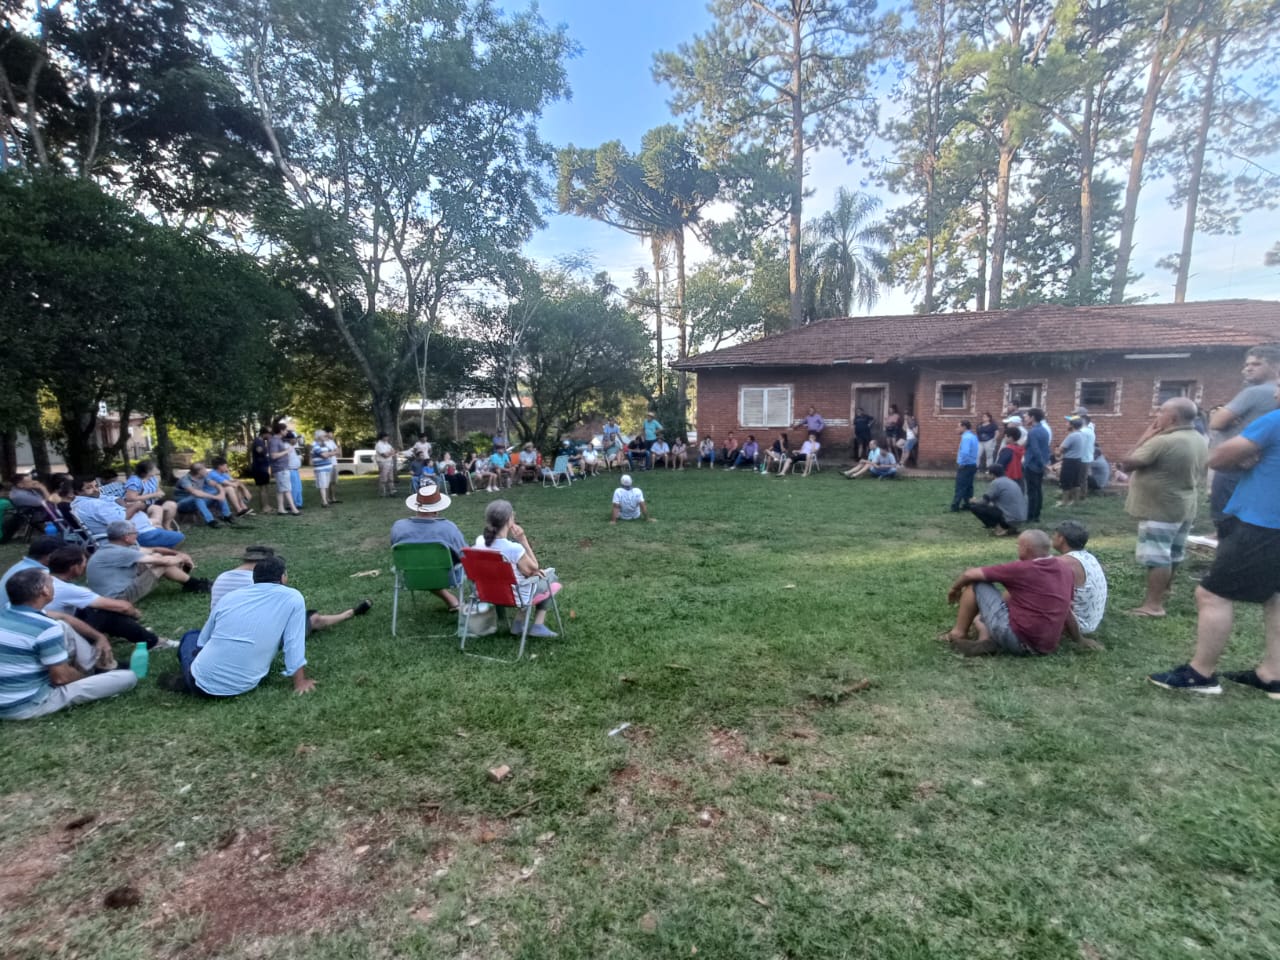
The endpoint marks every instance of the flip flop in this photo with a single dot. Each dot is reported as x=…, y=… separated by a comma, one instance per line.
x=1143, y=613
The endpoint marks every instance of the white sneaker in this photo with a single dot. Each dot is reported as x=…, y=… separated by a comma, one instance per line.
x=164, y=643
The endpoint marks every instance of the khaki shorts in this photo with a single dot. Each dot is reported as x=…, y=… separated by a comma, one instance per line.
x=143, y=583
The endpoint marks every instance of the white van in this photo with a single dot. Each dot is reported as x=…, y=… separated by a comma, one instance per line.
x=357, y=465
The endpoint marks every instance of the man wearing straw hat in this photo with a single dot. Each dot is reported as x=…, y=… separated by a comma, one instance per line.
x=427, y=526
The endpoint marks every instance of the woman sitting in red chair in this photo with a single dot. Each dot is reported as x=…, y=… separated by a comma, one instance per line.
x=502, y=533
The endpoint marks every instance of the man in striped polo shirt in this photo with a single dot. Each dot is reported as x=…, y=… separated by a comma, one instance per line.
x=36, y=677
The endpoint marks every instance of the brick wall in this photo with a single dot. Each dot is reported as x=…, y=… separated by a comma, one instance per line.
x=1213, y=377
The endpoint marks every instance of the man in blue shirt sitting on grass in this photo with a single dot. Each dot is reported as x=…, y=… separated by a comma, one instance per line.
x=234, y=650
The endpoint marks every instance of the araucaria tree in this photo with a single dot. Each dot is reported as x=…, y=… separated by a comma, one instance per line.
x=777, y=79
x=404, y=132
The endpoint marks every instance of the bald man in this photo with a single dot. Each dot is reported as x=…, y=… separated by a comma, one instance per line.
x=1028, y=618
x=1167, y=472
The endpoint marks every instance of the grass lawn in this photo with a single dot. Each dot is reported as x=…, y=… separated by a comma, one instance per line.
x=761, y=804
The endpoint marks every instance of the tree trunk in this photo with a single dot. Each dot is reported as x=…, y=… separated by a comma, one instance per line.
x=1083, y=279
x=659, y=271
x=1162, y=62
x=1197, y=170
x=797, y=173
x=984, y=223
x=79, y=421
x=386, y=416
x=999, y=237
x=8, y=455
x=681, y=321
x=39, y=441
x=163, y=449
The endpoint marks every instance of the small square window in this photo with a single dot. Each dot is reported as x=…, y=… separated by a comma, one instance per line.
x=953, y=396
x=1026, y=395
x=1098, y=395
x=1168, y=389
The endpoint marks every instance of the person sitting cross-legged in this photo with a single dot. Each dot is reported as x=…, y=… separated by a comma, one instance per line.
x=37, y=675
x=1030, y=618
x=120, y=568
x=1003, y=507
x=628, y=502
x=233, y=652
x=237, y=578
x=427, y=526
x=198, y=494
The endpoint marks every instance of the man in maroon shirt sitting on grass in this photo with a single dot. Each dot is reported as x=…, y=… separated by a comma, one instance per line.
x=1030, y=618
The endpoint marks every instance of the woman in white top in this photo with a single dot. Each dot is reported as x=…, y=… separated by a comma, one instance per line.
x=808, y=450
x=502, y=533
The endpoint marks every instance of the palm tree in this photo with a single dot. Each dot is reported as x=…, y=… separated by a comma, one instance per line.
x=846, y=266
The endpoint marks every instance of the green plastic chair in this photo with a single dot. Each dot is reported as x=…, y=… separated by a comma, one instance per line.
x=419, y=566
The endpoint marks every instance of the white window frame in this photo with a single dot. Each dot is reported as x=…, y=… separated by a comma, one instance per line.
x=953, y=411
x=770, y=416
x=1042, y=386
x=1116, y=387
x=1194, y=392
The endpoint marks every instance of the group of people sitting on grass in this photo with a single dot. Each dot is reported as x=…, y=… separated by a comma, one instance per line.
x=65, y=609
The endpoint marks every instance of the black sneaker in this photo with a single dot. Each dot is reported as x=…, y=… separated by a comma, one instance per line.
x=363, y=607
x=1186, y=678
x=229, y=521
x=198, y=585
x=1250, y=678
x=212, y=524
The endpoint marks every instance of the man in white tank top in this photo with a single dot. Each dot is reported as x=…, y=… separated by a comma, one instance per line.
x=1089, y=599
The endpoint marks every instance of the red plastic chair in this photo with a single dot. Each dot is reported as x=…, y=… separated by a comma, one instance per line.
x=491, y=578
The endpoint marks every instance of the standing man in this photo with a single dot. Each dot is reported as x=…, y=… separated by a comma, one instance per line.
x=966, y=467
x=813, y=422
x=628, y=502
x=1166, y=479
x=279, y=453
x=1261, y=371
x=384, y=455
x=650, y=428
x=1245, y=567
x=295, y=467
x=427, y=526
x=1035, y=461
x=335, y=450
x=36, y=677
x=862, y=422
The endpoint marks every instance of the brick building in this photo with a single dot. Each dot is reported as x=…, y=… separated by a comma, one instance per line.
x=1118, y=361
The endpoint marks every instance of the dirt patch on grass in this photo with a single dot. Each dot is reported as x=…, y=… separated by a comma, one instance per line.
x=242, y=891
x=39, y=858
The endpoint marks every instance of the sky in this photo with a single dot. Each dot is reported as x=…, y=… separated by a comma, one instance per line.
x=616, y=98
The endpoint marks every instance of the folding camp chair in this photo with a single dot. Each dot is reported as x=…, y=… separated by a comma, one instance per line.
x=558, y=470
x=419, y=566
x=491, y=578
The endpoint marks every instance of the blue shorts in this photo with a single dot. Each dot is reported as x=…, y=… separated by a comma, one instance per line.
x=155, y=537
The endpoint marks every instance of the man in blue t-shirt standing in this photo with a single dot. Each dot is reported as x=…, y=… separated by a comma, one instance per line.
x=966, y=467
x=1244, y=569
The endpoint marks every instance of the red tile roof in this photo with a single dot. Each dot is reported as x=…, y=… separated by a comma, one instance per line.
x=1038, y=329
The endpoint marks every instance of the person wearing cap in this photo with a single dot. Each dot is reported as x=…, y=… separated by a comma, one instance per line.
x=628, y=502
x=237, y=578
x=427, y=526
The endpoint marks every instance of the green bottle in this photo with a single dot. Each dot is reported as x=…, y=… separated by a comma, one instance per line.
x=140, y=660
